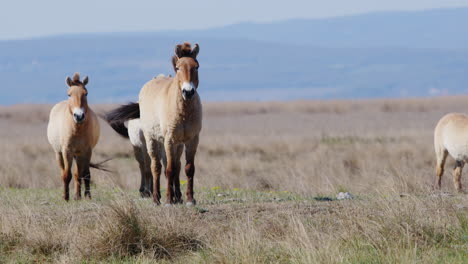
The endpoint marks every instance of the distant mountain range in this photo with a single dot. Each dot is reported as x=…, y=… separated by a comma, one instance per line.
x=392, y=54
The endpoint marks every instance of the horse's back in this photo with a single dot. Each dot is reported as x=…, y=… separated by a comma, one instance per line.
x=451, y=133
x=54, y=127
x=154, y=88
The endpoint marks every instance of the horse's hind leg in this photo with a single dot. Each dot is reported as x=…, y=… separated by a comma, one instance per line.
x=441, y=156
x=87, y=182
x=148, y=175
x=65, y=161
x=457, y=172
x=87, y=175
x=139, y=156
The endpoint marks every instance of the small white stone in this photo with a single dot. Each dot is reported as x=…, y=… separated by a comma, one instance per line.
x=344, y=196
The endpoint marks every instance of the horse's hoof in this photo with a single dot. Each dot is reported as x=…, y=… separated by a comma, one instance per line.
x=145, y=194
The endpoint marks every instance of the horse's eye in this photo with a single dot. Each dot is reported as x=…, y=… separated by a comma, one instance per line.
x=177, y=68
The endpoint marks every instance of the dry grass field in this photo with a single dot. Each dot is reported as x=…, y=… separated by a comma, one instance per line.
x=266, y=181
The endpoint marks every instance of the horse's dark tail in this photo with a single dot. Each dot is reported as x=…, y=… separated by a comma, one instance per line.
x=99, y=166
x=117, y=117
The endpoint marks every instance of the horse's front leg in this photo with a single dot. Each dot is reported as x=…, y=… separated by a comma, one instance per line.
x=82, y=168
x=77, y=178
x=82, y=173
x=155, y=164
x=64, y=160
x=171, y=169
x=190, y=151
x=176, y=181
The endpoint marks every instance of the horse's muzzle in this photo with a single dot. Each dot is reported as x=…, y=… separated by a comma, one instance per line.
x=188, y=94
x=78, y=117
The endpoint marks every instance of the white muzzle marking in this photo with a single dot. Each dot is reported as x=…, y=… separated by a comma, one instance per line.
x=188, y=86
x=188, y=90
x=78, y=114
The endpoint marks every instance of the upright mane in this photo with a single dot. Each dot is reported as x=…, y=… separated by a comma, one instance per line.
x=76, y=79
x=183, y=50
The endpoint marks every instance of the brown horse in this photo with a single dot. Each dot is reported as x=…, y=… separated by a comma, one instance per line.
x=73, y=131
x=170, y=118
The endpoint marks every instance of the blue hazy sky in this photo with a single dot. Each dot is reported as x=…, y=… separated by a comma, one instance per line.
x=32, y=18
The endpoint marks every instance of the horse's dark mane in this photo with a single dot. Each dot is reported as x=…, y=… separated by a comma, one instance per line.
x=184, y=50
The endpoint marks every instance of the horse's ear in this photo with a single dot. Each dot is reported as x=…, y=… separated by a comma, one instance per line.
x=195, y=51
x=85, y=80
x=174, y=62
x=68, y=80
x=178, y=50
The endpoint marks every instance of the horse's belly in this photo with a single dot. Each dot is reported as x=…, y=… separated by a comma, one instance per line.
x=458, y=150
x=53, y=134
x=456, y=143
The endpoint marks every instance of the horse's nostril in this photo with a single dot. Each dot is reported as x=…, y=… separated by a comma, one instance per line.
x=188, y=93
x=79, y=116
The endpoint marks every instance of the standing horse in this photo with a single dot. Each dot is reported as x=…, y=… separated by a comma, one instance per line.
x=451, y=137
x=73, y=131
x=170, y=118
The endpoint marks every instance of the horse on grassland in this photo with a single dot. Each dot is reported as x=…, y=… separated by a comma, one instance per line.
x=451, y=137
x=73, y=131
x=170, y=117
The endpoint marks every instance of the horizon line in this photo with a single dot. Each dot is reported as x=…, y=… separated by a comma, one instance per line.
x=64, y=34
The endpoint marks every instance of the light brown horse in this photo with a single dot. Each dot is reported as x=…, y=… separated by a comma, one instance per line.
x=73, y=131
x=451, y=137
x=170, y=115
